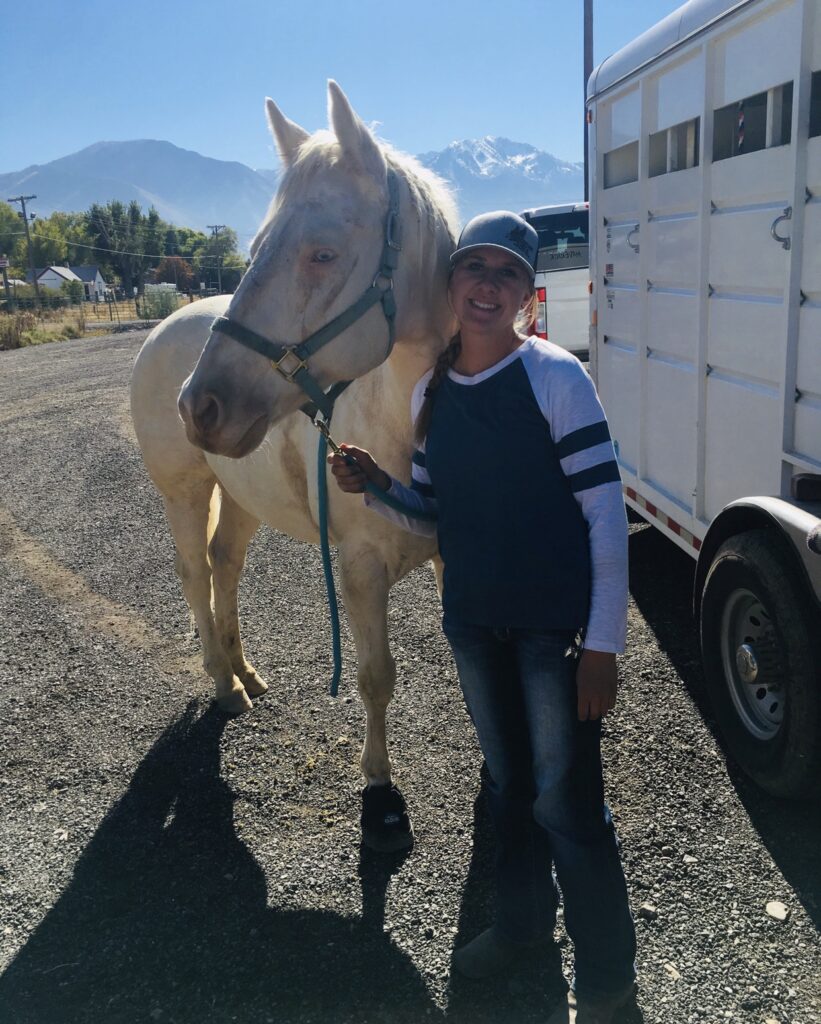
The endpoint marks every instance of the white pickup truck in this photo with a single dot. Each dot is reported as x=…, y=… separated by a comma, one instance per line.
x=705, y=342
x=562, y=275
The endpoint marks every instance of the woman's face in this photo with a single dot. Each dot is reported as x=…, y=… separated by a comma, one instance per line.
x=487, y=289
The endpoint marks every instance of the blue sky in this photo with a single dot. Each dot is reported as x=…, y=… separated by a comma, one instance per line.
x=195, y=72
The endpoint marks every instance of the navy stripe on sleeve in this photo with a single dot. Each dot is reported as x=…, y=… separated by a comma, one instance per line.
x=424, y=489
x=604, y=473
x=585, y=437
x=418, y=458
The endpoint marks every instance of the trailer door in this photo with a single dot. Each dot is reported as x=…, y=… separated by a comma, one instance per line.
x=752, y=185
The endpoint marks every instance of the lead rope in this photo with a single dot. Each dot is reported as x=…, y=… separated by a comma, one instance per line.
x=325, y=440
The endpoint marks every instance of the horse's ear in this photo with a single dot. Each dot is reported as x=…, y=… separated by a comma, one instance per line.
x=355, y=139
x=287, y=135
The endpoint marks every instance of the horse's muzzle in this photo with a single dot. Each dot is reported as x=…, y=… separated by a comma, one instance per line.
x=203, y=414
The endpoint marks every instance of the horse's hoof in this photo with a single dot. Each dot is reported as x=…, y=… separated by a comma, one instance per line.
x=254, y=685
x=237, y=702
x=386, y=826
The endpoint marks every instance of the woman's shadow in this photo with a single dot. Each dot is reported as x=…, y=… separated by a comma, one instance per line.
x=537, y=986
x=166, y=919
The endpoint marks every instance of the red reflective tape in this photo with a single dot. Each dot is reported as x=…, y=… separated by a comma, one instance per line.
x=696, y=543
x=674, y=526
x=630, y=493
x=651, y=508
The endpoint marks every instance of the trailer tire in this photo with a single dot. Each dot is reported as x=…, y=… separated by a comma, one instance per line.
x=760, y=658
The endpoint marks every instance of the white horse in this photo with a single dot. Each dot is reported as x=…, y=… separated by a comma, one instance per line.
x=246, y=454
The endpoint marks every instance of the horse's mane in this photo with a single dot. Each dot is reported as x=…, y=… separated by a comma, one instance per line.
x=430, y=195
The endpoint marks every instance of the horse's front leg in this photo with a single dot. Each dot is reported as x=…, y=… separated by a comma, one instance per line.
x=189, y=515
x=227, y=551
x=365, y=586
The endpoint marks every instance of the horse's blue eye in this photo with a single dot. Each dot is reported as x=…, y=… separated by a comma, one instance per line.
x=324, y=256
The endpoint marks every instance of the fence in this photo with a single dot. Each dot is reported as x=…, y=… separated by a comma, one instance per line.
x=153, y=306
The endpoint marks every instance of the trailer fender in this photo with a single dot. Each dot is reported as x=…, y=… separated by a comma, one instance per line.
x=791, y=524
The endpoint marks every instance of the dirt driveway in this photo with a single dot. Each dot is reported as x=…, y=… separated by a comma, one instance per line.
x=159, y=862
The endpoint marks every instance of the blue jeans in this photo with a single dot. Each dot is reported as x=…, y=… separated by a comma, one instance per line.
x=546, y=797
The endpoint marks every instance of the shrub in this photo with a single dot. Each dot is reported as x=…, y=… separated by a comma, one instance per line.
x=155, y=305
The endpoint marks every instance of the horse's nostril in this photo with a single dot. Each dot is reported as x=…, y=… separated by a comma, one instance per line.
x=208, y=413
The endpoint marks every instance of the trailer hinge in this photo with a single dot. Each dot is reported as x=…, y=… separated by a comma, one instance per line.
x=648, y=351
x=798, y=395
x=605, y=281
x=710, y=289
x=649, y=215
x=807, y=194
x=802, y=299
x=713, y=207
x=708, y=370
x=605, y=222
x=604, y=339
x=649, y=284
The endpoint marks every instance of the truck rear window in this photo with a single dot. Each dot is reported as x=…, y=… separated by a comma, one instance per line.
x=563, y=240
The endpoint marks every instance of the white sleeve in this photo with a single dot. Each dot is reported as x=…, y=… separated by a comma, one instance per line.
x=579, y=430
x=410, y=497
x=420, y=495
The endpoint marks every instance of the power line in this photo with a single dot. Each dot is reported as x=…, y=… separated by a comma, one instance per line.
x=120, y=252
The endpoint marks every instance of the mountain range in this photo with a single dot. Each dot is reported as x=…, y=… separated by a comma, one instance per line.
x=192, y=190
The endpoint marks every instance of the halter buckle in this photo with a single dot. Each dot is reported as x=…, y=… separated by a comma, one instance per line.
x=392, y=234
x=382, y=276
x=286, y=373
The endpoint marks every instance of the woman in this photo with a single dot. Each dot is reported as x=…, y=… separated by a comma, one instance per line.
x=515, y=457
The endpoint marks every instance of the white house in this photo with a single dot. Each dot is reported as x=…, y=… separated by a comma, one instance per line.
x=53, y=278
x=93, y=282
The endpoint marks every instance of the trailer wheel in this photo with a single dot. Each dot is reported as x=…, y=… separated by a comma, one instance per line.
x=759, y=651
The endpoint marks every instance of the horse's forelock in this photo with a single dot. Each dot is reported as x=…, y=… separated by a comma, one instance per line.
x=430, y=193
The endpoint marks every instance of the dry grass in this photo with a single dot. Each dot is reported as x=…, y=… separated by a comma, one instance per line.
x=20, y=329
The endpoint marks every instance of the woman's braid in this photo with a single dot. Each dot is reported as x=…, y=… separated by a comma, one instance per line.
x=443, y=364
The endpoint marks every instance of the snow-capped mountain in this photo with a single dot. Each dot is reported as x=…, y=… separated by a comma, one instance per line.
x=193, y=190
x=498, y=174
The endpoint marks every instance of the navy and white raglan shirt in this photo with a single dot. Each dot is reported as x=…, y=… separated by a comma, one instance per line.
x=519, y=467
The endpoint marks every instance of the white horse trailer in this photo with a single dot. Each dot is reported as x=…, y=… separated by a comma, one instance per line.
x=705, y=342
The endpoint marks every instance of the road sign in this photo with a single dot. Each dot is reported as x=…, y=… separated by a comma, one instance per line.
x=3, y=261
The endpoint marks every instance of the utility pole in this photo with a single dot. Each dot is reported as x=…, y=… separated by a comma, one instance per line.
x=4, y=263
x=588, y=71
x=215, y=230
x=22, y=201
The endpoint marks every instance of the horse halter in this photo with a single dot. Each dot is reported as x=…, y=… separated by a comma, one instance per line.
x=291, y=361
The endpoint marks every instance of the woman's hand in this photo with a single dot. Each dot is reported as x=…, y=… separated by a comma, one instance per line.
x=596, y=683
x=351, y=476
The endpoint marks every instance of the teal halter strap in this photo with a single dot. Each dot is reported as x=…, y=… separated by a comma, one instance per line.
x=291, y=361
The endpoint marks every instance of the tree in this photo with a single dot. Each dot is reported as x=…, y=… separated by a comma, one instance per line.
x=73, y=290
x=175, y=270
x=11, y=228
x=127, y=239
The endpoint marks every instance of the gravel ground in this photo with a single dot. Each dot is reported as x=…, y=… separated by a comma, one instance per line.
x=160, y=862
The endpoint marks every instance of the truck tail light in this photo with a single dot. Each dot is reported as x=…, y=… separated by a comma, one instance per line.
x=540, y=323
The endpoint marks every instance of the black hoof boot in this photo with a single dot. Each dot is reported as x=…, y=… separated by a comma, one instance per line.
x=385, y=823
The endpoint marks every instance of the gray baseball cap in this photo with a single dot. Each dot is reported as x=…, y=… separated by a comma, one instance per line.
x=500, y=230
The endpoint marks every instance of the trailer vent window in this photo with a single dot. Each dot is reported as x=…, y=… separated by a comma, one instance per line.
x=756, y=122
x=621, y=165
x=674, y=149
x=815, y=105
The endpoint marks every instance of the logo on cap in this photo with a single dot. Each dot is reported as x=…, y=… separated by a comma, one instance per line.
x=518, y=238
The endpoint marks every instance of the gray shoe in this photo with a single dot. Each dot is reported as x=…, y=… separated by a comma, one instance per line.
x=492, y=953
